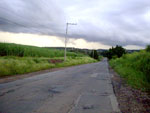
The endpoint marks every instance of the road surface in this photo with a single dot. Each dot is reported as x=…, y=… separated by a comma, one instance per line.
x=79, y=89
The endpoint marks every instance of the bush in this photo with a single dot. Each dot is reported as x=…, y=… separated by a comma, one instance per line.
x=114, y=57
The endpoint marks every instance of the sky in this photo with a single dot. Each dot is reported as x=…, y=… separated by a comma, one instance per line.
x=100, y=23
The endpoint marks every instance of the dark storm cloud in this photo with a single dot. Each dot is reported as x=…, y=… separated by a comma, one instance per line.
x=111, y=22
x=32, y=16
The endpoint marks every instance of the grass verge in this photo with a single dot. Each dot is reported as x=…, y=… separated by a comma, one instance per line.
x=135, y=68
x=12, y=65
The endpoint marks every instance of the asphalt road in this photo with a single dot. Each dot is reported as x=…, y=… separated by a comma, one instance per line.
x=79, y=89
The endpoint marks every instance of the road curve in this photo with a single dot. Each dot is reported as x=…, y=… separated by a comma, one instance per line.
x=79, y=89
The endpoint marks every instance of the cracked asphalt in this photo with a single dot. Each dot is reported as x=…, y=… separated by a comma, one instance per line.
x=79, y=89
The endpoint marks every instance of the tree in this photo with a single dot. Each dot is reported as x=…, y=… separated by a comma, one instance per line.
x=148, y=48
x=118, y=51
x=94, y=54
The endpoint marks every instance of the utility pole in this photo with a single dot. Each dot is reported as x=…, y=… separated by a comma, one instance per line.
x=67, y=25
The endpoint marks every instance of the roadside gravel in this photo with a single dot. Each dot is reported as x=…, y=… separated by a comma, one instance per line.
x=130, y=100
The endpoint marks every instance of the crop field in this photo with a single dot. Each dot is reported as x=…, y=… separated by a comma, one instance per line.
x=8, y=49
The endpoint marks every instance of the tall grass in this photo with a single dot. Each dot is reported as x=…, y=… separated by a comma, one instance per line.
x=8, y=49
x=12, y=65
x=135, y=68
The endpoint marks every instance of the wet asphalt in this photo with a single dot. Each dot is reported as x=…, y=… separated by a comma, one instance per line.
x=78, y=89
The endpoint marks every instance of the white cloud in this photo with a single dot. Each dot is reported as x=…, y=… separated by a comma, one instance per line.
x=147, y=16
x=47, y=41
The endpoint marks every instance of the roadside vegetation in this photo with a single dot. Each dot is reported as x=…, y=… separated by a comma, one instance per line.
x=20, y=59
x=135, y=68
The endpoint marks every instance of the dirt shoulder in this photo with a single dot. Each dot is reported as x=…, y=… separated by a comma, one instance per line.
x=130, y=100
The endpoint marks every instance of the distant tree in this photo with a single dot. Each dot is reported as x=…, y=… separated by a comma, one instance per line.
x=94, y=54
x=148, y=48
x=119, y=51
x=104, y=53
x=116, y=52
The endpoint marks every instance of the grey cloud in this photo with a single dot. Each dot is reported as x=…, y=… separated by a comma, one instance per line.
x=31, y=16
x=109, y=22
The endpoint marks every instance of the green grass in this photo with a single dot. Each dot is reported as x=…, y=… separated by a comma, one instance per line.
x=9, y=49
x=12, y=65
x=20, y=59
x=100, y=58
x=135, y=68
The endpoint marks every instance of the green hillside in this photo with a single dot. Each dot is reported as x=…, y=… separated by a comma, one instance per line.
x=9, y=49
